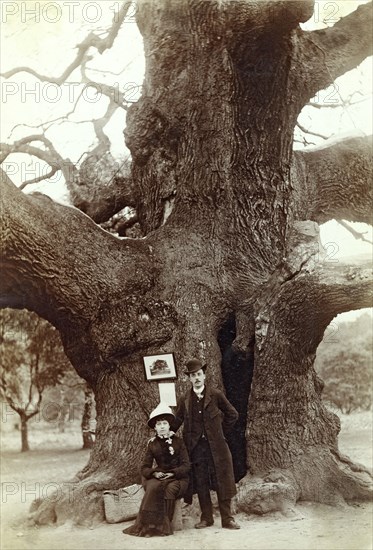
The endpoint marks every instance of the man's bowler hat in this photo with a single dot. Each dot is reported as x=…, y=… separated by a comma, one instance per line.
x=193, y=365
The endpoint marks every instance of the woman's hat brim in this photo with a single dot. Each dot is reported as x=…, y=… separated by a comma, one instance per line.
x=169, y=417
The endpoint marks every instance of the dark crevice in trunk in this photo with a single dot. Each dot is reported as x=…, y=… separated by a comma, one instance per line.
x=237, y=372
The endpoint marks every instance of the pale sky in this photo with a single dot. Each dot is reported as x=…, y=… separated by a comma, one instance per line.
x=42, y=35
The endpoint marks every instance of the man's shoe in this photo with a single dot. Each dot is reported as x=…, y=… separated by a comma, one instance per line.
x=202, y=524
x=231, y=524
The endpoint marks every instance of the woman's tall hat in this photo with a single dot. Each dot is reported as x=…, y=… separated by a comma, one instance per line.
x=163, y=411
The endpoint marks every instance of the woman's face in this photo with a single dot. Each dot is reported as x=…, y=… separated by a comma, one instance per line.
x=162, y=427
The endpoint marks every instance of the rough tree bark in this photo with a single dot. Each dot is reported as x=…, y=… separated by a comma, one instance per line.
x=230, y=269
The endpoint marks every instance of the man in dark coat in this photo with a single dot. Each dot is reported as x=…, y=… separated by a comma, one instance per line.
x=208, y=417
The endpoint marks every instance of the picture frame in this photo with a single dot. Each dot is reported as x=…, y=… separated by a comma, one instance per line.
x=159, y=367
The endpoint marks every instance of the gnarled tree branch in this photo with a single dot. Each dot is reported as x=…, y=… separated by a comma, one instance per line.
x=330, y=53
x=103, y=187
x=315, y=287
x=359, y=235
x=69, y=287
x=49, y=155
x=291, y=12
x=33, y=226
x=90, y=41
x=331, y=288
x=100, y=188
x=343, y=287
x=336, y=180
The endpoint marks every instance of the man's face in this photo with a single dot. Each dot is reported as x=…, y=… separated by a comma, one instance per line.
x=198, y=379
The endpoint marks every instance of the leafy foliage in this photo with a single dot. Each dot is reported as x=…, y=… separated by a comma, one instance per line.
x=344, y=361
x=32, y=355
x=32, y=360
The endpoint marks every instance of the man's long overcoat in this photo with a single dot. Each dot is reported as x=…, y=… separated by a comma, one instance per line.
x=219, y=418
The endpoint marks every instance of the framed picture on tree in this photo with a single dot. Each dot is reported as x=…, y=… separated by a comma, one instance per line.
x=159, y=366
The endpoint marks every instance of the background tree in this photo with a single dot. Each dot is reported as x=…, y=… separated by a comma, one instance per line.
x=344, y=361
x=74, y=399
x=230, y=266
x=32, y=360
x=88, y=418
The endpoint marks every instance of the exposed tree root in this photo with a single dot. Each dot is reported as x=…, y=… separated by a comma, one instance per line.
x=79, y=501
x=272, y=491
x=321, y=476
x=324, y=476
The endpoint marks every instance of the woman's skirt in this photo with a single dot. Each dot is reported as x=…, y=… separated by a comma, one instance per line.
x=152, y=519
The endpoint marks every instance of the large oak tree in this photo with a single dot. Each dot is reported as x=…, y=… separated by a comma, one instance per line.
x=230, y=269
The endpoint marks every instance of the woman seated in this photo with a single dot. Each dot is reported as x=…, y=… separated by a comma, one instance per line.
x=165, y=473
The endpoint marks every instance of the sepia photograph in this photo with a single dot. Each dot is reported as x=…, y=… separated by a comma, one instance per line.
x=194, y=178
x=159, y=366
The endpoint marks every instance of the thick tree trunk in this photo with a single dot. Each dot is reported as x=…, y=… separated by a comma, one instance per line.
x=292, y=437
x=24, y=434
x=87, y=417
x=225, y=272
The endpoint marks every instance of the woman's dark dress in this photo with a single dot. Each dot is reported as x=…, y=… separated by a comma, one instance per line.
x=170, y=455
